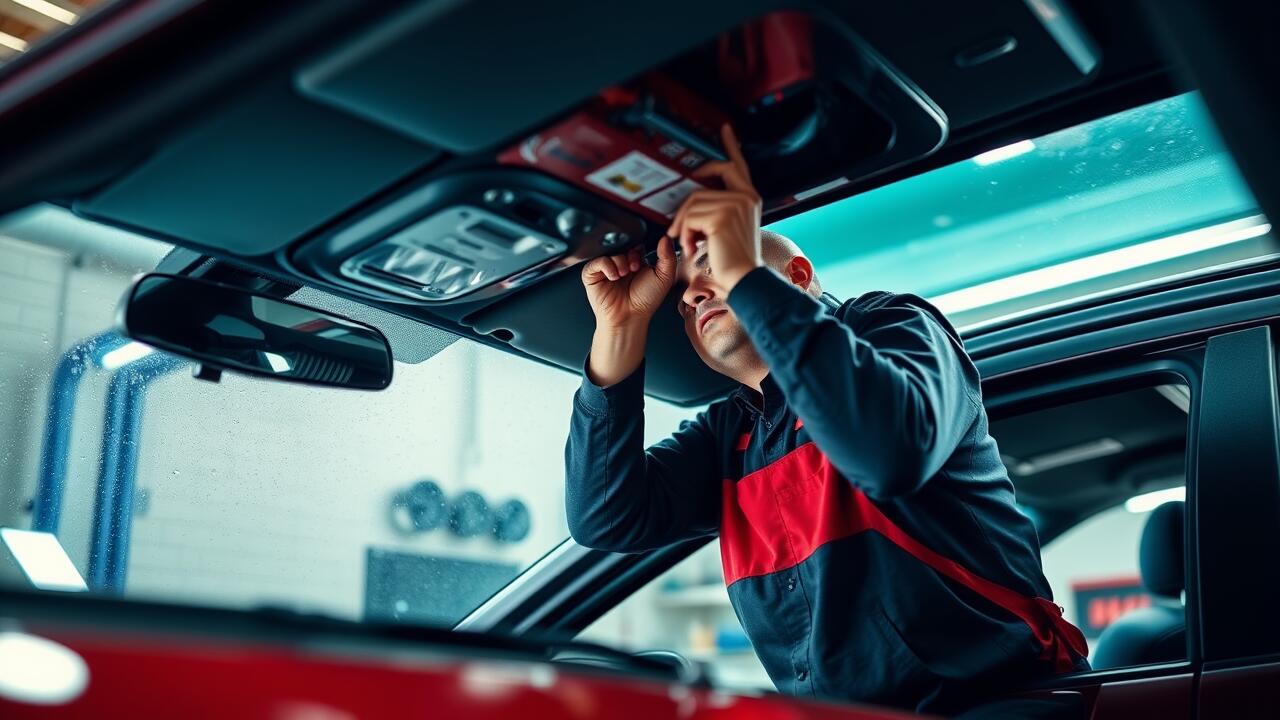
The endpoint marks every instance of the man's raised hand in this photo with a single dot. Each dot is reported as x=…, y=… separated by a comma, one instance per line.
x=727, y=220
x=624, y=291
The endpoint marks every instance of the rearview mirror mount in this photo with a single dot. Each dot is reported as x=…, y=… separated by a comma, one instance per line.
x=230, y=328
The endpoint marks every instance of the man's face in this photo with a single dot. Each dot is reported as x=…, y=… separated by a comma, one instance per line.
x=713, y=329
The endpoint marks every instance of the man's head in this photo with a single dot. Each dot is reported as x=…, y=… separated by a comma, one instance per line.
x=713, y=330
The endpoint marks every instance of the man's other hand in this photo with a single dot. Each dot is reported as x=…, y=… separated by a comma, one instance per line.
x=624, y=291
x=624, y=294
x=727, y=220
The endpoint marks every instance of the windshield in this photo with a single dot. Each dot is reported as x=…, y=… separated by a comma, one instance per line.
x=1138, y=196
x=413, y=504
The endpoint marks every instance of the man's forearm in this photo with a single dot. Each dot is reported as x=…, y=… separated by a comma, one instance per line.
x=616, y=352
x=624, y=498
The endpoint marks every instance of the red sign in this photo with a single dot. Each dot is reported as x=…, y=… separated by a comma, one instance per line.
x=1101, y=602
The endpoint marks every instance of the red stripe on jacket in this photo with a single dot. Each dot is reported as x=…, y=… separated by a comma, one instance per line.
x=776, y=517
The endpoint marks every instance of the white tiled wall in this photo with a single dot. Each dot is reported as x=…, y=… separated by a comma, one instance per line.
x=270, y=492
x=48, y=300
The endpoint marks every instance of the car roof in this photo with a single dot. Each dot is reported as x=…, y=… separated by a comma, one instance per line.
x=189, y=123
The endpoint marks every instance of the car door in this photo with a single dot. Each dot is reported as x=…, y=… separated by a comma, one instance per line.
x=1233, y=495
x=1237, y=513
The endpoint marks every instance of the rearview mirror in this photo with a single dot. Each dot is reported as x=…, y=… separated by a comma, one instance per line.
x=231, y=328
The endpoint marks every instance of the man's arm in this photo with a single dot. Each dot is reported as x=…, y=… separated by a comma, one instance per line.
x=624, y=498
x=618, y=495
x=887, y=401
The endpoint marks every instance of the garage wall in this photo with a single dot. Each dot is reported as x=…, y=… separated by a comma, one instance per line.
x=263, y=492
x=1104, y=547
x=254, y=492
x=49, y=299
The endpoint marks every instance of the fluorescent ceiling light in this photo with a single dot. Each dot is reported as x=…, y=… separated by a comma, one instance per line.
x=990, y=157
x=277, y=362
x=1147, y=502
x=1179, y=395
x=1107, y=263
x=126, y=354
x=41, y=560
x=12, y=42
x=48, y=9
x=1083, y=452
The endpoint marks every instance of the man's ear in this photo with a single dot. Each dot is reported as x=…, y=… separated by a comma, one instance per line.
x=800, y=272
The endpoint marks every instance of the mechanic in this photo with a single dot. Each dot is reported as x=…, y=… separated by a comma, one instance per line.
x=870, y=541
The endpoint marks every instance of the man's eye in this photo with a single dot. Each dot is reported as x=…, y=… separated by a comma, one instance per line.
x=682, y=308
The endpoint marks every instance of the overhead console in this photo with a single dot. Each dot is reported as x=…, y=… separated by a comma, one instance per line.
x=570, y=130
x=814, y=108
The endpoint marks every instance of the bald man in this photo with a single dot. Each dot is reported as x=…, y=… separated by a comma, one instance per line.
x=871, y=545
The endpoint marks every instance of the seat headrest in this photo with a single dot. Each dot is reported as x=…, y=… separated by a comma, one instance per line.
x=1160, y=552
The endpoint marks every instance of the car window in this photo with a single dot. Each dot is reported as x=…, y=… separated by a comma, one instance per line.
x=687, y=610
x=413, y=504
x=1105, y=481
x=1134, y=197
x=1094, y=571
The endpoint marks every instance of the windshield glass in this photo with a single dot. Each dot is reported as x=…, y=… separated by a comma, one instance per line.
x=412, y=504
x=1141, y=195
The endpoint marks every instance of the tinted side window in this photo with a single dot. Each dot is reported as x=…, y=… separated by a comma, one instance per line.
x=1105, y=480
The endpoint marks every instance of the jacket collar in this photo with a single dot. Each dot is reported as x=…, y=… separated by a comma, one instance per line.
x=767, y=401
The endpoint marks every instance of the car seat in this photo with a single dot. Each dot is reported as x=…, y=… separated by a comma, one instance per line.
x=1156, y=633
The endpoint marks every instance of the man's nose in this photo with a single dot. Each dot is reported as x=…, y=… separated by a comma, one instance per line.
x=696, y=294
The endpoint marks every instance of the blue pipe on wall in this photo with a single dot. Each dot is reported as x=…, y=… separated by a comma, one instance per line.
x=56, y=444
x=117, y=474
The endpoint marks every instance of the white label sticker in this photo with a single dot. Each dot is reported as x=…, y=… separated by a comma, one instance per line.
x=668, y=201
x=633, y=175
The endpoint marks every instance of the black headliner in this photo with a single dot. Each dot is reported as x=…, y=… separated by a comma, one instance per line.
x=1150, y=428
x=217, y=150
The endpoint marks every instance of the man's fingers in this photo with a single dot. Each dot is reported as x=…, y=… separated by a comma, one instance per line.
x=734, y=174
x=696, y=199
x=597, y=268
x=712, y=218
x=728, y=173
x=608, y=269
x=690, y=234
x=665, y=267
x=734, y=150
x=688, y=243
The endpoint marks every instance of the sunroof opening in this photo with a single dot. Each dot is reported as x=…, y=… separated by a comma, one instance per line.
x=1137, y=197
x=23, y=23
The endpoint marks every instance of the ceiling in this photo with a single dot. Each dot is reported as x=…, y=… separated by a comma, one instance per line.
x=24, y=22
x=1071, y=461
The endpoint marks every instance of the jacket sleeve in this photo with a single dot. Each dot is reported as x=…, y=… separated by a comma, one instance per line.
x=887, y=398
x=622, y=497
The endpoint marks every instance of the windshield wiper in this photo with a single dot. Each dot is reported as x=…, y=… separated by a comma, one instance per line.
x=529, y=647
